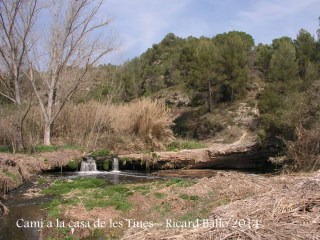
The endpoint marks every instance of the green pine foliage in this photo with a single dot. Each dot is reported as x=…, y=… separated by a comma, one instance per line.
x=215, y=72
x=292, y=76
x=283, y=63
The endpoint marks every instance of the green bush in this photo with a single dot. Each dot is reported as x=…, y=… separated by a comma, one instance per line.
x=251, y=103
x=99, y=153
x=189, y=197
x=209, y=125
x=106, y=165
x=160, y=195
x=262, y=136
x=73, y=164
x=42, y=181
x=185, y=144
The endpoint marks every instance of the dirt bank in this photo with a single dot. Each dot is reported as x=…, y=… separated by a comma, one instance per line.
x=16, y=168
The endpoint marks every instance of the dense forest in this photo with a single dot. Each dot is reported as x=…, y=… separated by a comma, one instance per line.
x=220, y=72
x=179, y=88
x=216, y=72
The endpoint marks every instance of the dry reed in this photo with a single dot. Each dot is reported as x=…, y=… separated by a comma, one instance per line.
x=139, y=125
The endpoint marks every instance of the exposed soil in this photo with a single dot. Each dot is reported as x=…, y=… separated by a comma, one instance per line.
x=16, y=168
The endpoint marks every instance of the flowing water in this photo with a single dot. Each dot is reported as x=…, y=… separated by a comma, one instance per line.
x=115, y=165
x=88, y=165
x=21, y=207
x=30, y=209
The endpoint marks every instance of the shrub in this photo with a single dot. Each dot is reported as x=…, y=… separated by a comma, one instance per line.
x=99, y=153
x=151, y=122
x=73, y=164
x=106, y=165
x=209, y=125
x=304, y=153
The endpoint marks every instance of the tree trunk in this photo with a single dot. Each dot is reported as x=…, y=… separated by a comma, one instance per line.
x=19, y=137
x=47, y=134
x=17, y=91
x=19, y=134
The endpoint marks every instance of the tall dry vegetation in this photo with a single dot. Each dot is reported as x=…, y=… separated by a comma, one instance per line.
x=142, y=124
x=304, y=153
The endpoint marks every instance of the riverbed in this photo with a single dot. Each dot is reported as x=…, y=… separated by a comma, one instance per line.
x=27, y=203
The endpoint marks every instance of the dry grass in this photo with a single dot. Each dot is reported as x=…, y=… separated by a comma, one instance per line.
x=248, y=206
x=139, y=125
x=10, y=120
x=280, y=207
x=304, y=152
x=151, y=122
x=143, y=124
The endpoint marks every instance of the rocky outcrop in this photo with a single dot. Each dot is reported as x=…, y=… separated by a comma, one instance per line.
x=239, y=155
x=253, y=157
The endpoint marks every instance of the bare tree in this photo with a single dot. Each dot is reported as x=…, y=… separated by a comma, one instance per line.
x=75, y=44
x=17, y=19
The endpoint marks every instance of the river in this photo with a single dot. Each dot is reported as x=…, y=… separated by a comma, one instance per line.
x=29, y=208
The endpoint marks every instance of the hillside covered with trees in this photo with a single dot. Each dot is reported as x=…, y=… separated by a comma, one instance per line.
x=216, y=74
x=190, y=88
x=212, y=137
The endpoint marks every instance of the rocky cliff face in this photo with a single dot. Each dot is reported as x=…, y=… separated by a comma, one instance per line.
x=242, y=154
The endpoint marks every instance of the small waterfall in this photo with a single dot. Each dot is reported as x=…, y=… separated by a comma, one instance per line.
x=88, y=165
x=115, y=164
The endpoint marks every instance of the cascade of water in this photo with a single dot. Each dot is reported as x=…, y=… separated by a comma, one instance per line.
x=115, y=164
x=88, y=165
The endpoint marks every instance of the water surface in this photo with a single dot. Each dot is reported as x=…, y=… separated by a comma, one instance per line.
x=30, y=209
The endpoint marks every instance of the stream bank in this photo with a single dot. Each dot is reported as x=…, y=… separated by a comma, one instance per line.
x=213, y=195
x=278, y=206
x=29, y=205
x=18, y=168
x=243, y=156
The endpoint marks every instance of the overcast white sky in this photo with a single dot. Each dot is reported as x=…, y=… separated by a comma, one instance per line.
x=141, y=23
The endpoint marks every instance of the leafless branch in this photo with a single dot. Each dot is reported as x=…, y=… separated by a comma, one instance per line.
x=75, y=45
